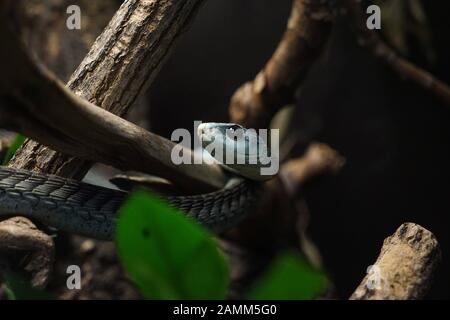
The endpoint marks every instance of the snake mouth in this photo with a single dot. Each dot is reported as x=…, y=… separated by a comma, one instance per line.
x=211, y=129
x=201, y=130
x=207, y=132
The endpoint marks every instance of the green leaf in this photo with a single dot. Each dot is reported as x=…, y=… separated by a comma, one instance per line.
x=17, y=143
x=19, y=289
x=290, y=278
x=168, y=255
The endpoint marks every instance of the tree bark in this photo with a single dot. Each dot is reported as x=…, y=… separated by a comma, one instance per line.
x=405, y=267
x=121, y=64
x=42, y=27
x=78, y=127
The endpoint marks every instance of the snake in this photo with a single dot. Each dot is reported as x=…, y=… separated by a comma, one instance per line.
x=92, y=211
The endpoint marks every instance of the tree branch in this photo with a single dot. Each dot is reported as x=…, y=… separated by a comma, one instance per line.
x=277, y=217
x=35, y=247
x=404, y=268
x=121, y=64
x=79, y=128
x=405, y=69
x=256, y=102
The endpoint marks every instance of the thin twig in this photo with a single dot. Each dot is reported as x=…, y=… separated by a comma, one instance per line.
x=404, y=68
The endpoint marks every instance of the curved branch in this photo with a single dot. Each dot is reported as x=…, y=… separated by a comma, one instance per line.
x=256, y=102
x=41, y=107
x=121, y=64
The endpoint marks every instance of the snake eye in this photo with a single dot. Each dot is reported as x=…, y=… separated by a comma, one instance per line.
x=235, y=132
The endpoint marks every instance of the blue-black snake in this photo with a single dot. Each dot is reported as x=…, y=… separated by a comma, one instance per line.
x=77, y=207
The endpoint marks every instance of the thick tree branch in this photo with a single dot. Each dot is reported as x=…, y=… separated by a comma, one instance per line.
x=405, y=69
x=404, y=268
x=255, y=103
x=40, y=106
x=121, y=64
x=35, y=248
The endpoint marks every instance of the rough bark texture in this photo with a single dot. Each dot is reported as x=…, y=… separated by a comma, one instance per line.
x=103, y=137
x=124, y=60
x=42, y=27
x=36, y=248
x=406, y=264
x=32, y=95
x=255, y=103
x=121, y=64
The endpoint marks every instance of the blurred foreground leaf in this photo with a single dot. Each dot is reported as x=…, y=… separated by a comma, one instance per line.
x=19, y=289
x=168, y=255
x=17, y=143
x=290, y=278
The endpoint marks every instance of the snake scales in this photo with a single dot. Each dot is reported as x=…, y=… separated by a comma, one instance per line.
x=89, y=210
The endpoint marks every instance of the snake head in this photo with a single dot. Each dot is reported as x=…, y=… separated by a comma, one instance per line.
x=238, y=149
x=210, y=131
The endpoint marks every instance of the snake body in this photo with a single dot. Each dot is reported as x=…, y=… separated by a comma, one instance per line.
x=89, y=210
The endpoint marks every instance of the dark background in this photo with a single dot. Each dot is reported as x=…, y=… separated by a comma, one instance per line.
x=396, y=138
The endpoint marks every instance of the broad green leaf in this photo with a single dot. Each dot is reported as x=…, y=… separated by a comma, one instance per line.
x=17, y=143
x=19, y=289
x=167, y=254
x=211, y=285
x=290, y=278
